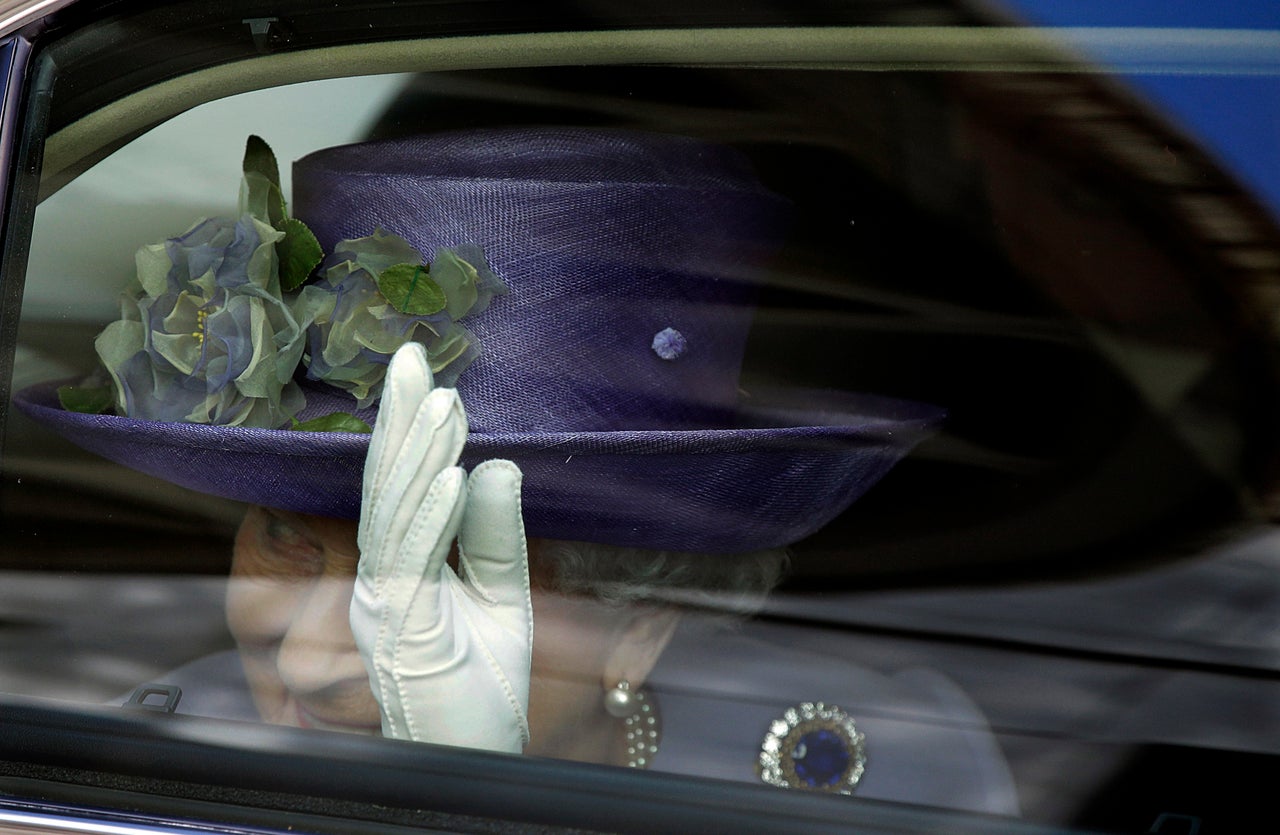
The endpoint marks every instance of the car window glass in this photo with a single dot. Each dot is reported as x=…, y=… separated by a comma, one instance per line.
x=902, y=433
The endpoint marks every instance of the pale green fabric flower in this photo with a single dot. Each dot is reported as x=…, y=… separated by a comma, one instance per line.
x=354, y=330
x=205, y=335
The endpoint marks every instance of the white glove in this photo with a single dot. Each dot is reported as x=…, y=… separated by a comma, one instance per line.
x=448, y=654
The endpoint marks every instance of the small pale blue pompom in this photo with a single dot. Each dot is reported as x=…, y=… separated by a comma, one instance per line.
x=669, y=343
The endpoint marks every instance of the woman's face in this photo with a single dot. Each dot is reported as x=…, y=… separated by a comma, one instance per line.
x=287, y=601
x=288, y=598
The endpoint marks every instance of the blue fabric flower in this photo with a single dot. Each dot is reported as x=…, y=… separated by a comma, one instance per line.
x=205, y=335
x=354, y=329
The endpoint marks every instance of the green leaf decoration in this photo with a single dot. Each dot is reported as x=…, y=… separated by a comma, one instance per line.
x=336, y=422
x=411, y=290
x=299, y=253
x=261, y=195
x=259, y=157
x=87, y=400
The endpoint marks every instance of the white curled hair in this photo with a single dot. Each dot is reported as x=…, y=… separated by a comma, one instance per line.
x=726, y=583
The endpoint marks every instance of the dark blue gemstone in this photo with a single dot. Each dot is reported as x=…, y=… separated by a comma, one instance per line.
x=820, y=758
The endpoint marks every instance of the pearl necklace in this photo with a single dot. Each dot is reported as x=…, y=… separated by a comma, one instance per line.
x=643, y=724
x=644, y=732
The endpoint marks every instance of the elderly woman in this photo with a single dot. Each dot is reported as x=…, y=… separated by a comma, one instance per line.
x=423, y=633
x=604, y=283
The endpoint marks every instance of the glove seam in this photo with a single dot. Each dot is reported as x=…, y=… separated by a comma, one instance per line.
x=416, y=527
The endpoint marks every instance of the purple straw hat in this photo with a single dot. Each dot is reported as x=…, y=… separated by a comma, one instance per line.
x=609, y=370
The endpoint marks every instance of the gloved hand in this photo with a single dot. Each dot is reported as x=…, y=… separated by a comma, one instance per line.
x=448, y=654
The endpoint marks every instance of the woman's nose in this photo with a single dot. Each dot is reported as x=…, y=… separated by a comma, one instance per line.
x=317, y=649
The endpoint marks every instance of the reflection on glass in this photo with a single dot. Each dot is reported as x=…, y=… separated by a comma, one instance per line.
x=1022, y=250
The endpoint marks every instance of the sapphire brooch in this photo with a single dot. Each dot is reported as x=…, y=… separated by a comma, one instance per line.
x=813, y=746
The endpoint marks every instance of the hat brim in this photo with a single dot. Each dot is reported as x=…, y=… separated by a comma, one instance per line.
x=779, y=474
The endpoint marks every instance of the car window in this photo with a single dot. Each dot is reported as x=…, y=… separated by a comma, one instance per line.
x=881, y=411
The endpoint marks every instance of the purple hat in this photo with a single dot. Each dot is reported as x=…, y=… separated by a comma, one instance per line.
x=609, y=370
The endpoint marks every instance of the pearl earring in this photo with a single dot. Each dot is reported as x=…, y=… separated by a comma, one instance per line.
x=619, y=702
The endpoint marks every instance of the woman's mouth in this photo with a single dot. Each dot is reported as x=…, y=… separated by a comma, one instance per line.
x=307, y=718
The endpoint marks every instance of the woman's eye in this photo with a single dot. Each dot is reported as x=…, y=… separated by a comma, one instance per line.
x=297, y=552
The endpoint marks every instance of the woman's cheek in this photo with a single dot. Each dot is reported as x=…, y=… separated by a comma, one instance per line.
x=258, y=614
x=259, y=611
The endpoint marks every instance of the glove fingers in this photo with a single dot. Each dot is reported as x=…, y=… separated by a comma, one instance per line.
x=433, y=442
x=416, y=573
x=408, y=381
x=493, y=551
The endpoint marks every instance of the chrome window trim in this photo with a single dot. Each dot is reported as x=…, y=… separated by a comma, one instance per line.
x=32, y=819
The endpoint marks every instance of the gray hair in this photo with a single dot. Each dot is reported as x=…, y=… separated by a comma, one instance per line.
x=620, y=576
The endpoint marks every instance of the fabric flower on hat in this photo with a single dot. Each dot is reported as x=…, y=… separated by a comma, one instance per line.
x=205, y=335
x=376, y=294
x=218, y=321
